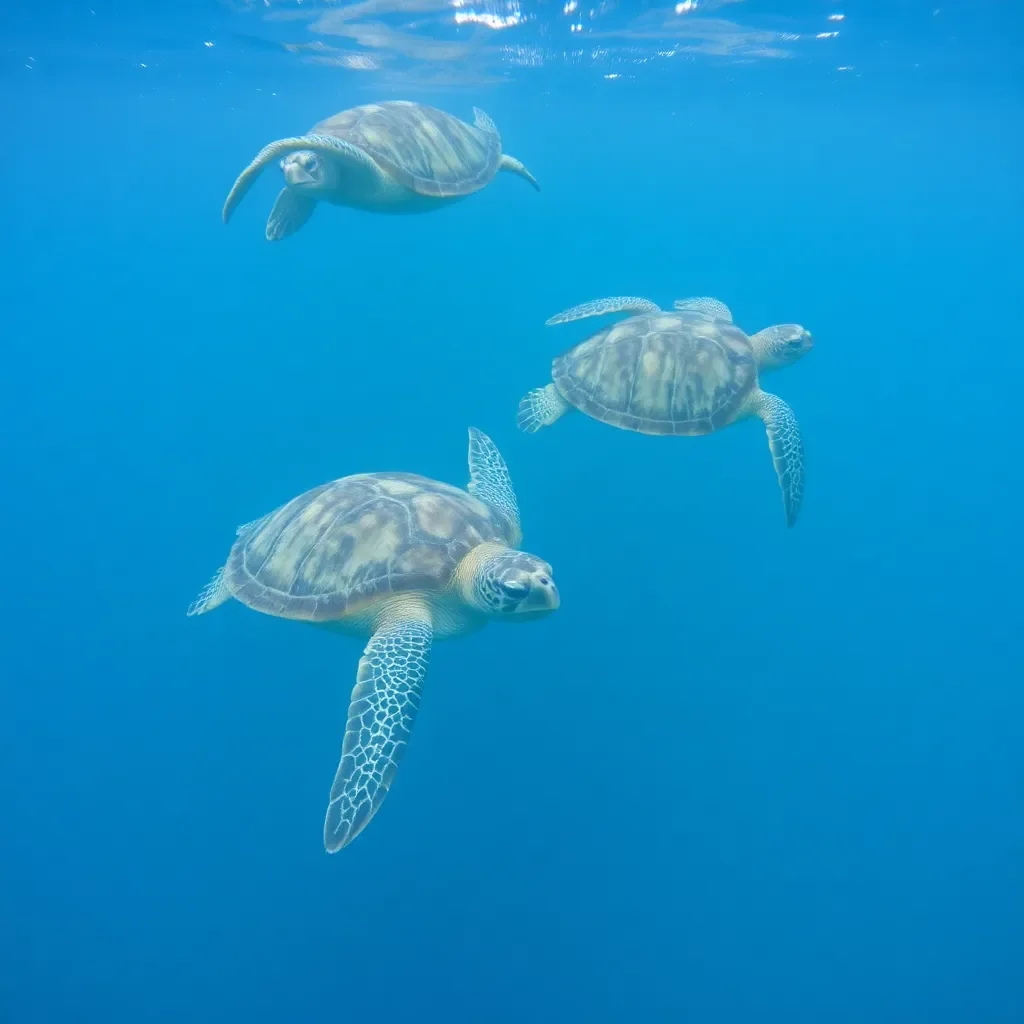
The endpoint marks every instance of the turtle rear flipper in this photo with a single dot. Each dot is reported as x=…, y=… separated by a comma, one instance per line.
x=213, y=595
x=540, y=408
x=510, y=163
x=482, y=120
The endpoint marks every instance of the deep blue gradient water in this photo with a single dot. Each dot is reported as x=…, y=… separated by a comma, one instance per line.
x=745, y=773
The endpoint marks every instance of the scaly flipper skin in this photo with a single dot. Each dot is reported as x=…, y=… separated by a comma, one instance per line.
x=290, y=212
x=507, y=163
x=705, y=305
x=213, y=595
x=216, y=592
x=381, y=714
x=511, y=164
x=483, y=121
x=540, y=408
x=787, y=450
x=489, y=480
x=616, y=304
x=326, y=145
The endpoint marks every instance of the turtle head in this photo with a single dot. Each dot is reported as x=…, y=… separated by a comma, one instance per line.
x=512, y=585
x=779, y=346
x=307, y=171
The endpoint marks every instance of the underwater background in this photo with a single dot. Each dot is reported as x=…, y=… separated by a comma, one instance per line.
x=745, y=773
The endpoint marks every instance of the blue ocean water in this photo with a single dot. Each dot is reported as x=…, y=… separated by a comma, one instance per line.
x=745, y=773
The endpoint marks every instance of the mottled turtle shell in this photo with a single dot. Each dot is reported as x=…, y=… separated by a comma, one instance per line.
x=660, y=373
x=335, y=550
x=422, y=148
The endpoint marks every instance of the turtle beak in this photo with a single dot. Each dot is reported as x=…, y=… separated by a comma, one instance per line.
x=296, y=173
x=543, y=598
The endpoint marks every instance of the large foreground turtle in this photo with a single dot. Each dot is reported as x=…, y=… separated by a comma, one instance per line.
x=688, y=371
x=401, y=559
x=392, y=157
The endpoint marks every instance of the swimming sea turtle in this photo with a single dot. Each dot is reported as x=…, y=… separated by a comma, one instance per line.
x=392, y=157
x=403, y=560
x=689, y=371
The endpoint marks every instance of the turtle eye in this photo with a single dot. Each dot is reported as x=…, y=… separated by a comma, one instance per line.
x=514, y=589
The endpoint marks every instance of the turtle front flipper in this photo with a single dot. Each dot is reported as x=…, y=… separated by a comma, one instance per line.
x=290, y=212
x=381, y=714
x=712, y=308
x=489, y=480
x=787, y=449
x=326, y=145
x=598, y=307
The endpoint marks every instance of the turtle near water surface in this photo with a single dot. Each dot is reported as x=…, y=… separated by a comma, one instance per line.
x=403, y=560
x=687, y=371
x=391, y=157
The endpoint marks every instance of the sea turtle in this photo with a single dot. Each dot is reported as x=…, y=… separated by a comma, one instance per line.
x=391, y=157
x=401, y=559
x=686, y=371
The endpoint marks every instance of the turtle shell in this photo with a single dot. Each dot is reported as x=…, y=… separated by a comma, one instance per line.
x=660, y=373
x=422, y=148
x=331, y=552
